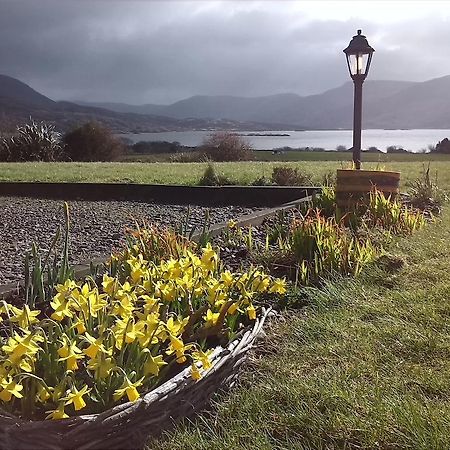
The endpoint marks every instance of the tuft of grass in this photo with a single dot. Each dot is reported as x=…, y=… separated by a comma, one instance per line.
x=365, y=365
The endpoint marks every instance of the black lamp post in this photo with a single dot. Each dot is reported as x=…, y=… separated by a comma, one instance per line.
x=359, y=55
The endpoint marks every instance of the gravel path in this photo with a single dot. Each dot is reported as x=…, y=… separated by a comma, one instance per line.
x=96, y=227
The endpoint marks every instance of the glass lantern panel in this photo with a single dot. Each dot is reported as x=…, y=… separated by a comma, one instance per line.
x=358, y=63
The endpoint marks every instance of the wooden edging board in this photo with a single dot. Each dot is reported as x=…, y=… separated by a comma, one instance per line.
x=256, y=218
x=161, y=193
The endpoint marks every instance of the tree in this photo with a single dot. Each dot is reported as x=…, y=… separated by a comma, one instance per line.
x=226, y=146
x=92, y=142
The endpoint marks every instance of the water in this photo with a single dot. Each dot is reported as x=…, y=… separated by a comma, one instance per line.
x=412, y=140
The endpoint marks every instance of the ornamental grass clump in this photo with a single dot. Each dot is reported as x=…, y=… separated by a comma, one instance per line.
x=98, y=343
x=322, y=246
x=391, y=215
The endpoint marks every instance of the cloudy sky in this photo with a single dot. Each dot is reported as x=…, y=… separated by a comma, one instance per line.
x=151, y=51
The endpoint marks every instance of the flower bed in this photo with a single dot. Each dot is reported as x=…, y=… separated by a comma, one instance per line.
x=149, y=330
x=128, y=425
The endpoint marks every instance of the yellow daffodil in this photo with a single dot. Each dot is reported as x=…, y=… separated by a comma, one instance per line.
x=176, y=326
x=195, y=372
x=209, y=258
x=101, y=365
x=233, y=308
x=251, y=311
x=126, y=332
x=95, y=346
x=25, y=317
x=278, y=286
x=227, y=278
x=18, y=347
x=10, y=388
x=62, y=308
x=153, y=365
x=42, y=394
x=211, y=318
x=57, y=413
x=75, y=396
x=109, y=285
x=71, y=354
x=128, y=388
x=203, y=357
x=80, y=326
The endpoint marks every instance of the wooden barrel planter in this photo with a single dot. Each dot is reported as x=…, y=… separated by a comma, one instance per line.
x=353, y=186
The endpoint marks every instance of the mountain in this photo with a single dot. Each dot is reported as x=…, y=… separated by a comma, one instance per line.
x=17, y=94
x=18, y=102
x=331, y=109
x=387, y=104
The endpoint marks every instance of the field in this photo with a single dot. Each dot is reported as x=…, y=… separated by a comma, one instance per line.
x=190, y=173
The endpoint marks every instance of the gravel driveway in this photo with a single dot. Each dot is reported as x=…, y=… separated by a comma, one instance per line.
x=96, y=227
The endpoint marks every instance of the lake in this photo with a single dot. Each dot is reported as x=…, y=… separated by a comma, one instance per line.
x=413, y=140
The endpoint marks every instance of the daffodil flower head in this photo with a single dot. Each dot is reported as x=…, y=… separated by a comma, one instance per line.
x=70, y=353
x=211, y=318
x=10, y=388
x=129, y=389
x=57, y=413
x=75, y=397
x=278, y=286
x=209, y=258
x=153, y=365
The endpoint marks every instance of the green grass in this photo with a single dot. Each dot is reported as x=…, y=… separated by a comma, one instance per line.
x=365, y=366
x=267, y=155
x=190, y=173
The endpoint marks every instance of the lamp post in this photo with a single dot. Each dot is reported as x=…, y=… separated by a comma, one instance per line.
x=359, y=55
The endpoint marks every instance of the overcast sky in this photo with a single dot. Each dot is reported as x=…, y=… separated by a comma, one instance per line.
x=162, y=51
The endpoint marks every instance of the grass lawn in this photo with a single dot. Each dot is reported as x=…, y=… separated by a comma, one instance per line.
x=365, y=365
x=190, y=173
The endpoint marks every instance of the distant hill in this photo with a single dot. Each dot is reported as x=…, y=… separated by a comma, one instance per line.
x=18, y=102
x=387, y=104
x=17, y=94
x=331, y=109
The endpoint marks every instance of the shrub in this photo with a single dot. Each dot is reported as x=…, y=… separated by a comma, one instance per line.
x=288, y=176
x=395, y=149
x=341, y=148
x=188, y=157
x=92, y=142
x=262, y=181
x=34, y=141
x=212, y=178
x=226, y=146
x=426, y=194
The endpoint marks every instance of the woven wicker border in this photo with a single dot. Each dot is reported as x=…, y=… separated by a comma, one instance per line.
x=127, y=426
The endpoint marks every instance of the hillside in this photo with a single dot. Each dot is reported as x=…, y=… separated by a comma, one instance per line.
x=387, y=104
x=18, y=102
x=331, y=109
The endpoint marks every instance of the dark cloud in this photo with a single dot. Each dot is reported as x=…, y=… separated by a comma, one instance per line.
x=148, y=51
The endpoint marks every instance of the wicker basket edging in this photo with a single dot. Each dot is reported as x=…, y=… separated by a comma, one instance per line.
x=128, y=425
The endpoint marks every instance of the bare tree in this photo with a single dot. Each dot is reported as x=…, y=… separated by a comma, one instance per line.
x=226, y=146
